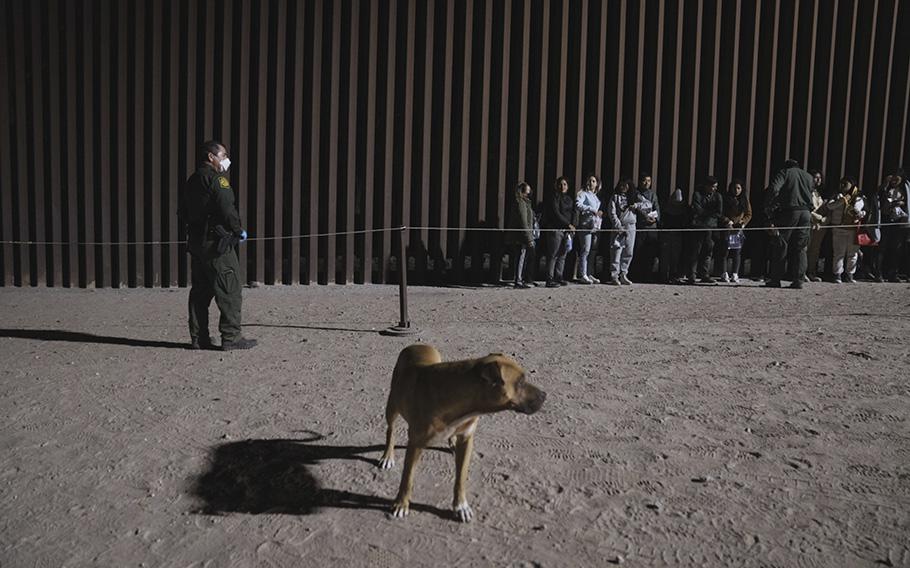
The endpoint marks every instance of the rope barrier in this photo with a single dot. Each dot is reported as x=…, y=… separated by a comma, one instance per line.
x=434, y=228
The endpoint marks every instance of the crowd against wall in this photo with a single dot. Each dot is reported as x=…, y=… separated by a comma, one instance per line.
x=661, y=235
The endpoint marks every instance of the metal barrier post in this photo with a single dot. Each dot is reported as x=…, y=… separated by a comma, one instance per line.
x=404, y=325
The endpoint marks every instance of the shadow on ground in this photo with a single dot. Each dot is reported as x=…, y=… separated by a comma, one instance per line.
x=275, y=477
x=79, y=337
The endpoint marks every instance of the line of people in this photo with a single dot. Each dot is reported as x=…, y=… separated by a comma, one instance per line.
x=701, y=239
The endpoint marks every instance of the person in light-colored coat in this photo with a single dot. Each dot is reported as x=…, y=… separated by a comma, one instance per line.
x=623, y=216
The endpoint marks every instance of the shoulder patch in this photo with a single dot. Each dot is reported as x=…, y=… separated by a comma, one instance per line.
x=223, y=182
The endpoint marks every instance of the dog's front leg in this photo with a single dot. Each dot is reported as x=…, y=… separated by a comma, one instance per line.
x=387, y=461
x=464, y=447
x=403, y=502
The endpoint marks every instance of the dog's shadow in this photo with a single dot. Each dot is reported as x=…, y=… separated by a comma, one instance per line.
x=275, y=477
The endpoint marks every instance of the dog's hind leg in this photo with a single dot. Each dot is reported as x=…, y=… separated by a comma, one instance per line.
x=402, y=504
x=387, y=461
x=464, y=447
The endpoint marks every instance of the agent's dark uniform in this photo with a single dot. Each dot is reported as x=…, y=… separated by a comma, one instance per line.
x=207, y=203
x=789, y=204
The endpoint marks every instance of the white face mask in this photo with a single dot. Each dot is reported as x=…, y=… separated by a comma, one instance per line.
x=225, y=164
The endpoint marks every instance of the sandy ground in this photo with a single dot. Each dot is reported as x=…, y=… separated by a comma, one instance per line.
x=717, y=426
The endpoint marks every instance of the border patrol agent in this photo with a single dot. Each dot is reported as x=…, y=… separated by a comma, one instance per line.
x=207, y=210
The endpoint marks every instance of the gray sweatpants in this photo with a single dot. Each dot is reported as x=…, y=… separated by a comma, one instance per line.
x=621, y=250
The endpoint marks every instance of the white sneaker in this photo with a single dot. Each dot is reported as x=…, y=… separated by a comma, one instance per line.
x=585, y=280
x=623, y=279
x=594, y=280
x=735, y=278
x=725, y=277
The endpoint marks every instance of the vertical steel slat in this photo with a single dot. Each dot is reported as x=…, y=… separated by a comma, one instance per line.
x=277, y=154
x=70, y=173
x=674, y=153
x=639, y=78
x=601, y=87
x=258, y=186
x=122, y=277
x=138, y=182
x=313, y=255
x=714, y=87
x=174, y=175
x=371, y=145
x=504, y=115
x=212, y=8
x=54, y=72
x=620, y=92
x=153, y=178
x=542, y=115
x=38, y=161
x=389, y=121
x=485, y=112
x=863, y=145
x=408, y=141
x=223, y=126
x=352, y=142
x=904, y=150
x=847, y=107
x=696, y=80
x=561, y=122
x=20, y=142
x=582, y=79
x=887, y=109
x=427, y=127
x=734, y=90
x=446, y=132
x=830, y=88
x=243, y=183
x=795, y=34
x=333, y=189
x=88, y=141
x=756, y=42
x=6, y=180
x=811, y=80
x=296, y=145
x=106, y=148
x=525, y=67
x=465, y=128
x=657, y=88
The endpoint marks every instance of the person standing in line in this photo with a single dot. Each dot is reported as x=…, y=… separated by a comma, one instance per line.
x=674, y=215
x=647, y=243
x=208, y=212
x=589, y=215
x=519, y=238
x=622, y=210
x=817, y=233
x=893, y=200
x=707, y=210
x=846, y=209
x=737, y=214
x=558, y=216
x=789, y=205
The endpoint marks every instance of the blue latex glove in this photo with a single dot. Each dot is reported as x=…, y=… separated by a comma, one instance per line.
x=243, y=235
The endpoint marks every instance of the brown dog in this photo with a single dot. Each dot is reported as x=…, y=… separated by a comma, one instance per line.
x=443, y=401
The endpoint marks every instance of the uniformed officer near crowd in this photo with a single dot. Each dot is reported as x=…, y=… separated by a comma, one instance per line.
x=208, y=212
x=788, y=206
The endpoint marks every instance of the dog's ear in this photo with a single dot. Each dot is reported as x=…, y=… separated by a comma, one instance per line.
x=491, y=373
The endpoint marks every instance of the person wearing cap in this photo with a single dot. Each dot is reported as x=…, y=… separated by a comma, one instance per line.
x=789, y=207
x=208, y=212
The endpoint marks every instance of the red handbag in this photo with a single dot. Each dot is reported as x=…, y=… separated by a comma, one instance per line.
x=863, y=239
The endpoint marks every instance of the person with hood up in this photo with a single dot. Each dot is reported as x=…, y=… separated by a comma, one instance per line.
x=894, y=198
x=520, y=237
x=707, y=211
x=623, y=210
